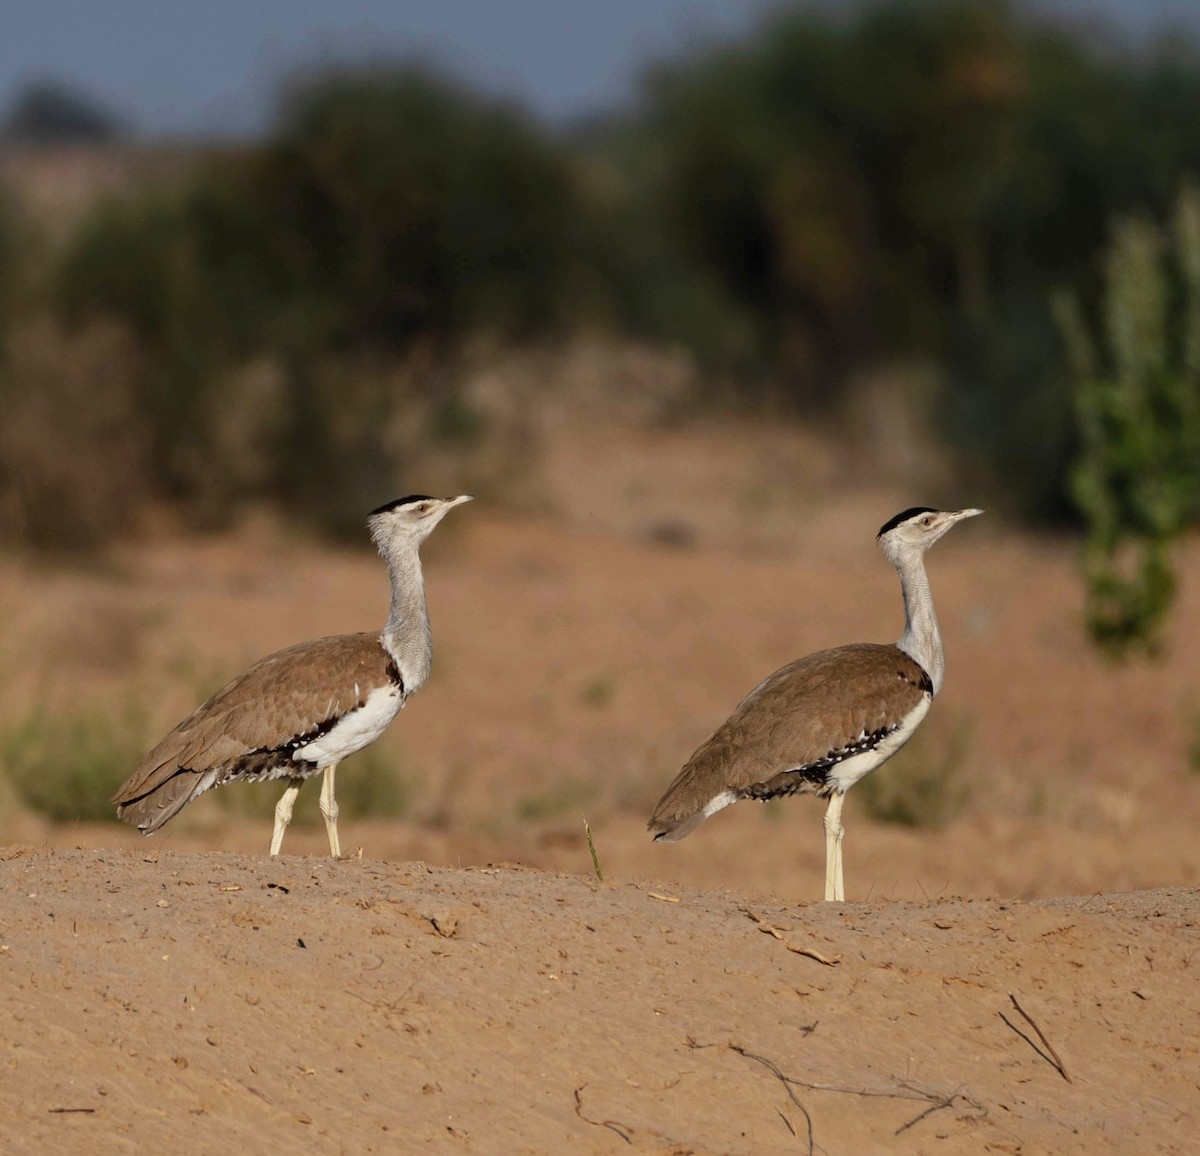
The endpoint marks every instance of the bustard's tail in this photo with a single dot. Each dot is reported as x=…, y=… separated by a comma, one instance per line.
x=695, y=794
x=149, y=811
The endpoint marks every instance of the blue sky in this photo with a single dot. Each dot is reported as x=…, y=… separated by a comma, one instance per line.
x=212, y=66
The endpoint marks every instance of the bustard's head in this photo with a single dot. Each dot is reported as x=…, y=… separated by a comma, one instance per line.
x=407, y=522
x=914, y=530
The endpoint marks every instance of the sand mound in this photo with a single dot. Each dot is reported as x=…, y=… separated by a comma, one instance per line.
x=162, y=1001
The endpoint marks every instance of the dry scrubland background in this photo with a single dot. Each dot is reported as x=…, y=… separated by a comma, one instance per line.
x=688, y=369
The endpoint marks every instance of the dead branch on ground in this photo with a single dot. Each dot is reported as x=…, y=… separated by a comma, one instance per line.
x=777, y=933
x=620, y=1129
x=1049, y=1055
x=787, y=1087
x=936, y=1101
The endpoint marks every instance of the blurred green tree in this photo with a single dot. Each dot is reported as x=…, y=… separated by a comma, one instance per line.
x=891, y=179
x=7, y=260
x=406, y=204
x=390, y=209
x=49, y=112
x=1137, y=397
x=913, y=178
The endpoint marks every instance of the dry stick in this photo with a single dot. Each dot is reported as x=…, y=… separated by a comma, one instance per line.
x=1053, y=1058
x=1040, y=1054
x=612, y=1125
x=787, y=1087
x=936, y=1101
x=812, y=953
x=775, y=933
x=943, y=1102
x=911, y=1093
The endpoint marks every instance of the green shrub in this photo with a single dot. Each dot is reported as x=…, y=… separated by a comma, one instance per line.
x=1137, y=397
x=66, y=765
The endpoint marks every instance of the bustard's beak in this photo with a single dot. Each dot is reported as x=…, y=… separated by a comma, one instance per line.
x=452, y=502
x=947, y=521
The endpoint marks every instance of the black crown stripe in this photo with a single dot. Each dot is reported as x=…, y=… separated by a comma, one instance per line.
x=398, y=502
x=904, y=516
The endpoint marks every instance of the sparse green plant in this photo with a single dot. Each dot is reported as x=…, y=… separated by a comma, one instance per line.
x=591, y=846
x=1137, y=397
x=66, y=765
x=922, y=786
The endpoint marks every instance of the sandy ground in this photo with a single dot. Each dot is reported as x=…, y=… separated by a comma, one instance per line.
x=170, y=1001
x=158, y=988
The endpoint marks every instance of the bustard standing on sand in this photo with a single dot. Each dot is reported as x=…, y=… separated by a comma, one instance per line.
x=305, y=708
x=823, y=722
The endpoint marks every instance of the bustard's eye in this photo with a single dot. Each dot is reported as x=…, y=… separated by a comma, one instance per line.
x=927, y=520
x=423, y=508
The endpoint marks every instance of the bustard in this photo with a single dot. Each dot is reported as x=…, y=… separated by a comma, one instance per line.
x=821, y=723
x=305, y=708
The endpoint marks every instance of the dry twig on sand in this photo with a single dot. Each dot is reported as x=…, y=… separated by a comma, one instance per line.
x=787, y=1087
x=620, y=1129
x=936, y=1101
x=777, y=933
x=1049, y=1055
x=812, y=953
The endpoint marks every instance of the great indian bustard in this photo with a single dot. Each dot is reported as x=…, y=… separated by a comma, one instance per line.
x=821, y=723
x=305, y=708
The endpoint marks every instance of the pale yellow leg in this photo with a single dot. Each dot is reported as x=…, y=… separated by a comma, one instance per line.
x=839, y=882
x=329, y=811
x=283, y=813
x=835, y=889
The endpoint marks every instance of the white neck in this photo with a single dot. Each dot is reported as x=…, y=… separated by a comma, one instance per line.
x=406, y=636
x=921, y=641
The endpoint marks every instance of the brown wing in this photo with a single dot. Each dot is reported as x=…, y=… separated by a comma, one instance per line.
x=804, y=717
x=299, y=691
